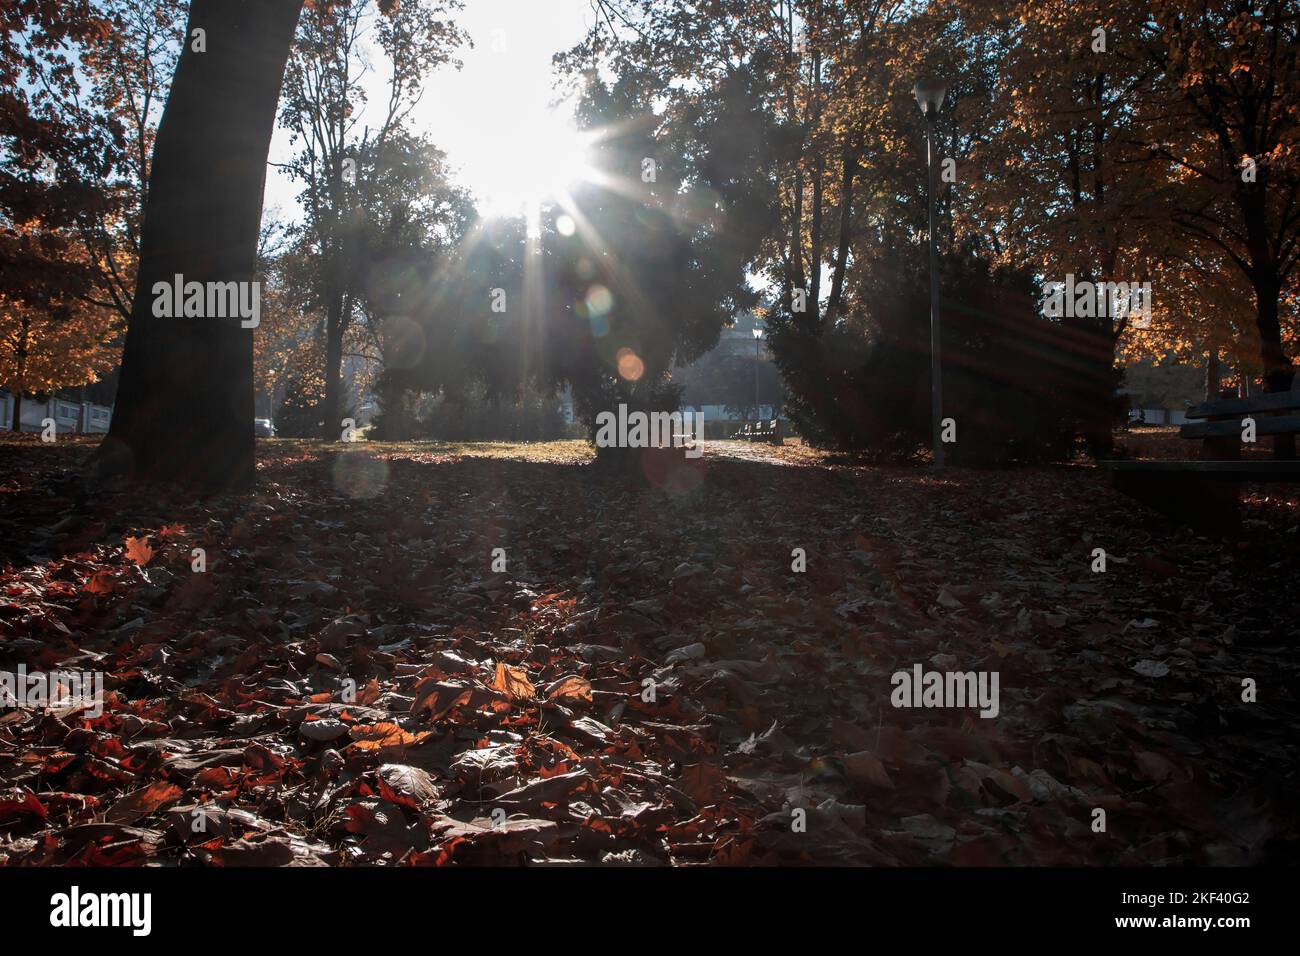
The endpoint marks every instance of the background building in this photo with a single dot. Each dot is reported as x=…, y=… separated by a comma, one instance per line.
x=736, y=380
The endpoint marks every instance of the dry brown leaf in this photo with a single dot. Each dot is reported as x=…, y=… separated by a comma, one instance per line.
x=370, y=693
x=138, y=550
x=866, y=769
x=140, y=803
x=382, y=736
x=101, y=582
x=405, y=785
x=513, y=682
x=571, y=688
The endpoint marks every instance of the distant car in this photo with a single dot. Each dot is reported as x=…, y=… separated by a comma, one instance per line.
x=263, y=428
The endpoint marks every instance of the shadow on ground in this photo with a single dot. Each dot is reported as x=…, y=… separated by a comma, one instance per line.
x=649, y=679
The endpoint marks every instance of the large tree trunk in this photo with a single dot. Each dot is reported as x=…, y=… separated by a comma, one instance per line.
x=1278, y=371
x=184, y=410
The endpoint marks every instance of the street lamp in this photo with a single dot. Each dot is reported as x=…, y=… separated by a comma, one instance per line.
x=758, y=338
x=929, y=96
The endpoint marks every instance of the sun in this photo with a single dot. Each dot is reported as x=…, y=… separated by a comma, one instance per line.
x=533, y=163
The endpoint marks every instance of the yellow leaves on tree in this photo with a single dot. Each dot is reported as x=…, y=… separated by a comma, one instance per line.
x=41, y=350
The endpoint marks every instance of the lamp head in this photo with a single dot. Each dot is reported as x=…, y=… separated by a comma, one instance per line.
x=929, y=96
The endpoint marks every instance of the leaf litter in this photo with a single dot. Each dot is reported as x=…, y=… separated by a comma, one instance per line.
x=349, y=683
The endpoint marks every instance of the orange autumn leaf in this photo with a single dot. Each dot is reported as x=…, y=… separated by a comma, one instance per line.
x=370, y=693
x=571, y=688
x=101, y=582
x=513, y=682
x=384, y=735
x=138, y=550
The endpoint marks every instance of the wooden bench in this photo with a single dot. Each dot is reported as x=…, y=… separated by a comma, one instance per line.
x=768, y=431
x=1205, y=492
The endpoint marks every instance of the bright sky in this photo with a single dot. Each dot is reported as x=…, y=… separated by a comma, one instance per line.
x=492, y=117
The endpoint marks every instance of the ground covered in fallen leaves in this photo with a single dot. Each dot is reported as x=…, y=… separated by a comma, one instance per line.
x=648, y=682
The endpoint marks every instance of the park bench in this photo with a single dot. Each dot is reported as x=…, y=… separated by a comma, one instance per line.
x=768, y=431
x=1204, y=492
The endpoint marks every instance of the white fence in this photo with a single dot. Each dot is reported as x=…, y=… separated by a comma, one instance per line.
x=78, y=418
x=1160, y=416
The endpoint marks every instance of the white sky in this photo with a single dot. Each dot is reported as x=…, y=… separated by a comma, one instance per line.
x=492, y=117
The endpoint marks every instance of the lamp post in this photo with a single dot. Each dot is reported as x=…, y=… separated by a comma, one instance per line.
x=929, y=96
x=758, y=337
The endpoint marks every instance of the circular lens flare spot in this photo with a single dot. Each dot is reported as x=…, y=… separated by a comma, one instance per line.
x=630, y=365
x=565, y=225
x=599, y=300
x=358, y=474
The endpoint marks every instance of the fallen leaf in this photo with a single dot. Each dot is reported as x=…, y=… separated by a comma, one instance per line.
x=383, y=736
x=513, y=682
x=865, y=769
x=323, y=730
x=140, y=803
x=1151, y=668
x=571, y=688
x=138, y=550
x=405, y=785
x=101, y=582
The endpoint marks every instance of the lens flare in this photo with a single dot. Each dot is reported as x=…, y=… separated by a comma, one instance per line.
x=598, y=300
x=629, y=364
x=359, y=474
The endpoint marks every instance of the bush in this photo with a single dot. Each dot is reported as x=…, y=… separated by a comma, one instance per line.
x=1024, y=389
x=299, y=414
x=471, y=416
x=1019, y=387
x=853, y=389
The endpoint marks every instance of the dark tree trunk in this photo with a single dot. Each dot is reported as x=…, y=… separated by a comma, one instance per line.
x=331, y=415
x=815, y=250
x=1267, y=282
x=184, y=410
x=23, y=342
x=796, y=234
x=1278, y=371
x=848, y=166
